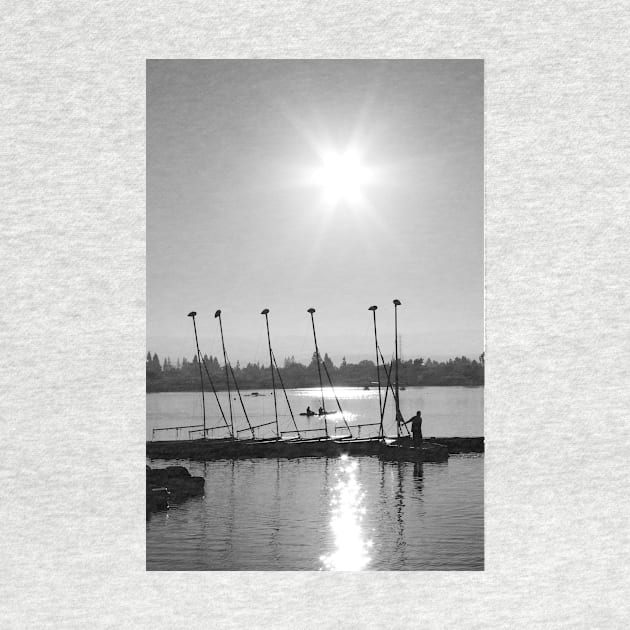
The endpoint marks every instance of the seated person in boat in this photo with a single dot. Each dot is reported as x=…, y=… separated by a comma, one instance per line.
x=321, y=411
x=309, y=412
x=416, y=428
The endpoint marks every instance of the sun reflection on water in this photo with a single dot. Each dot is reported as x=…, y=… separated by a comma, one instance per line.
x=347, y=511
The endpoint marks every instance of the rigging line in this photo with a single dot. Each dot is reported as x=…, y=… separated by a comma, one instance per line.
x=388, y=374
x=319, y=371
x=214, y=391
x=265, y=312
x=203, y=396
x=285, y=393
x=378, y=371
x=337, y=399
x=241, y=399
x=227, y=376
x=389, y=385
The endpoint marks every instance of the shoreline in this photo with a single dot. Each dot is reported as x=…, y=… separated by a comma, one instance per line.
x=301, y=387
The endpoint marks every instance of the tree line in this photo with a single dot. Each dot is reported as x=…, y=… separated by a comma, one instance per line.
x=166, y=376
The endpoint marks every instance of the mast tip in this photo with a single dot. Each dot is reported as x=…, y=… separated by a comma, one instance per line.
x=192, y=314
x=218, y=313
x=264, y=311
x=397, y=302
x=372, y=308
x=311, y=310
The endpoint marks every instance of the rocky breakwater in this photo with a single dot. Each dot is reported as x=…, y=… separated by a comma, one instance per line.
x=171, y=485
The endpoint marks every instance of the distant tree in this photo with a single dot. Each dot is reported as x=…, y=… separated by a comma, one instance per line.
x=155, y=364
x=313, y=363
x=328, y=362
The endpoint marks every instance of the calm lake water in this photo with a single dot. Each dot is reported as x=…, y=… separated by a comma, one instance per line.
x=354, y=513
x=343, y=513
x=447, y=411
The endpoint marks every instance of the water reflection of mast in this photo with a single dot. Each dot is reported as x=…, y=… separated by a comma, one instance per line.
x=232, y=519
x=418, y=477
x=275, y=529
x=400, y=504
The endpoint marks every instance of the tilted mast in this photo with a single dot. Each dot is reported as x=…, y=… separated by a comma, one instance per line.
x=227, y=375
x=319, y=370
x=193, y=314
x=378, y=372
x=397, y=397
x=265, y=312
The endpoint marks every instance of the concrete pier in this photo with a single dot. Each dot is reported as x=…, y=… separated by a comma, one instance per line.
x=433, y=449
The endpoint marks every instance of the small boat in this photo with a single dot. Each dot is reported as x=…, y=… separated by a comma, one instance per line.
x=315, y=413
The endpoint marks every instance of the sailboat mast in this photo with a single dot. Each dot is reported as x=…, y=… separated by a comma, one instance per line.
x=319, y=370
x=398, y=416
x=265, y=312
x=227, y=376
x=203, y=396
x=378, y=371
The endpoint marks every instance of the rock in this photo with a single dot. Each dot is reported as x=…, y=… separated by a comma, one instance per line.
x=157, y=499
x=171, y=484
x=177, y=471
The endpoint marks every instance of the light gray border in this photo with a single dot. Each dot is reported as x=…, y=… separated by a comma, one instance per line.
x=73, y=320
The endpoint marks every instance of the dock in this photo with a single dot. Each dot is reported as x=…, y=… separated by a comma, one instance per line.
x=433, y=449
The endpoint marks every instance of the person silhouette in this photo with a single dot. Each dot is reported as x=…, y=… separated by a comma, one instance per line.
x=416, y=428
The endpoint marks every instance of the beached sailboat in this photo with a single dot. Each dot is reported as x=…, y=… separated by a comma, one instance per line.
x=293, y=443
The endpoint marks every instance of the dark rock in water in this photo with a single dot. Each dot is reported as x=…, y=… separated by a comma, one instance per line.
x=157, y=499
x=169, y=485
x=177, y=471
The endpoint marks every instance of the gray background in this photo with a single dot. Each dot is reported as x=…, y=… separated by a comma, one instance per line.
x=73, y=314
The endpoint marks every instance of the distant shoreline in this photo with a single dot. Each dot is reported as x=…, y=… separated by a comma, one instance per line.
x=185, y=376
x=315, y=386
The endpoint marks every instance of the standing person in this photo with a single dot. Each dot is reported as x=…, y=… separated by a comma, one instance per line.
x=416, y=428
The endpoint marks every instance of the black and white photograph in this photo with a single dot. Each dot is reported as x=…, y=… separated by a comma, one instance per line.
x=315, y=315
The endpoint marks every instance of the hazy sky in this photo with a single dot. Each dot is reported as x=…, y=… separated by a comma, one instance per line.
x=236, y=220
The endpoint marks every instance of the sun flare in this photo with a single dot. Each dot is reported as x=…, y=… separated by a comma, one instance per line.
x=342, y=177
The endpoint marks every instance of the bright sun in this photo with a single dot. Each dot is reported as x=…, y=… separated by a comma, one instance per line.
x=342, y=177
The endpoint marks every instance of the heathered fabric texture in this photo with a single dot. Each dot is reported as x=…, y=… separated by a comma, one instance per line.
x=73, y=314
